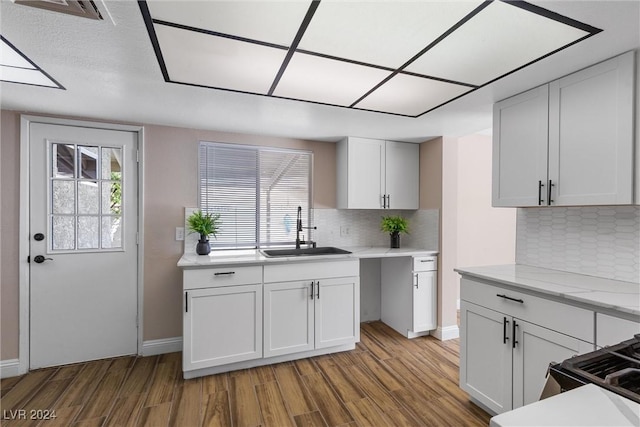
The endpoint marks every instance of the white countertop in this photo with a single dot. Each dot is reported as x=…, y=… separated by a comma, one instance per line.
x=596, y=291
x=253, y=256
x=589, y=405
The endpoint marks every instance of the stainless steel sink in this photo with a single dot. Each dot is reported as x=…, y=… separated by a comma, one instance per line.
x=326, y=250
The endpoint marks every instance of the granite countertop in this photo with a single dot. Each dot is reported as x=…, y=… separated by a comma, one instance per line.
x=594, y=291
x=254, y=256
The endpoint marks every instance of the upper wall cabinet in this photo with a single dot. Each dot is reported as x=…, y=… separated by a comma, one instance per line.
x=374, y=174
x=569, y=142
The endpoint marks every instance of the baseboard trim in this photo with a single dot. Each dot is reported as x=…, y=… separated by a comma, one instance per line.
x=9, y=368
x=447, y=333
x=162, y=346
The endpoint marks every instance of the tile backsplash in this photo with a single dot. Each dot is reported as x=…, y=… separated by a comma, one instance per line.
x=362, y=228
x=601, y=241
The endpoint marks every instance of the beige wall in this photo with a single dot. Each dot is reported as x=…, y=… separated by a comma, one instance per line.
x=486, y=235
x=455, y=177
x=9, y=211
x=170, y=183
x=171, y=164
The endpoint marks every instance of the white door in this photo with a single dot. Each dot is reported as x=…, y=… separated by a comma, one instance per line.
x=222, y=325
x=536, y=348
x=424, y=301
x=485, y=356
x=83, y=250
x=366, y=173
x=337, y=312
x=591, y=135
x=288, y=317
x=402, y=161
x=520, y=143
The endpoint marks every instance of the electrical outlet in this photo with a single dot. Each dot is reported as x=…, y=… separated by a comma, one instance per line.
x=344, y=231
x=179, y=233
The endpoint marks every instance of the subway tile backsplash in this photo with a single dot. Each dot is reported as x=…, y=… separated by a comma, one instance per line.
x=362, y=228
x=601, y=241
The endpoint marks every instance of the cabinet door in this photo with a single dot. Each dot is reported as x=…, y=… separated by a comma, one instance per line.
x=365, y=173
x=535, y=349
x=337, y=312
x=591, y=135
x=222, y=325
x=424, y=301
x=520, y=141
x=485, y=356
x=288, y=317
x=402, y=173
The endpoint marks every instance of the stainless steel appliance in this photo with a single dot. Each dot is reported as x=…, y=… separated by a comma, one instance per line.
x=616, y=368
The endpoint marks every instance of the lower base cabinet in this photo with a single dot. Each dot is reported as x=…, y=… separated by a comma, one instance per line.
x=505, y=352
x=310, y=314
x=230, y=321
x=222, y=325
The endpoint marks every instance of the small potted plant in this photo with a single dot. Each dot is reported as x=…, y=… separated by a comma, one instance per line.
x=394, y=225
x=206, y=225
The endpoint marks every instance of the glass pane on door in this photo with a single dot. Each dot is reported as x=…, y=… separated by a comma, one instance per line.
x=85, y=210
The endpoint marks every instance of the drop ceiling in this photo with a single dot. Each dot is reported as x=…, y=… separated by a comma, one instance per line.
x=403, y=58
x=110, y=70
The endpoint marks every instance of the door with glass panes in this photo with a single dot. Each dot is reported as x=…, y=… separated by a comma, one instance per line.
x=83, y=244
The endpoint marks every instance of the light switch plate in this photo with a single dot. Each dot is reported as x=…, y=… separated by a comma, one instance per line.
x=179, y=233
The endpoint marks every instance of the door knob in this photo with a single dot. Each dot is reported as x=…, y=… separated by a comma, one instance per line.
x=40, y=259
x=38, y=236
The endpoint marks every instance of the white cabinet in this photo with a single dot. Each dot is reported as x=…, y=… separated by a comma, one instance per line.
x=508, y=339
x=520, y=139
x=319, y=308
x=375, y=174
x=569, y=142
x=222, y=325
x=408, y=294
x=485, y=357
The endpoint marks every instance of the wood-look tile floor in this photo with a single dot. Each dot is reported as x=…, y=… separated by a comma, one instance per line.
x=386, y=381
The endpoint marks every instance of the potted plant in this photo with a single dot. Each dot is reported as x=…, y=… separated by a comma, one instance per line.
x=394, y=225
x=206, y=225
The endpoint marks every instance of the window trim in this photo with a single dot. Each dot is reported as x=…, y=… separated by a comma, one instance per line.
x=257, y=148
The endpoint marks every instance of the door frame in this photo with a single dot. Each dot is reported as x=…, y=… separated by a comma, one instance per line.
x=23, y=249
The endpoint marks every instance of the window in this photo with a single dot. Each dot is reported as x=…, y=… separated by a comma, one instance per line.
x=256, y=191
x=85, y=194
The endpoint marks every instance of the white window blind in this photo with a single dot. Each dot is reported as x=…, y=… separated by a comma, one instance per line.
x=256, y=191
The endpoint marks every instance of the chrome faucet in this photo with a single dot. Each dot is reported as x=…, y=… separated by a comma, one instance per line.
x=299, y=228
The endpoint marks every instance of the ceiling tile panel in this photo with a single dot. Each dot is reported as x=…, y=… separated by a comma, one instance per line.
x=26, y=76
x=410, y=95
x=318, y=79
x=8, y=56
x=386, y=33
x=498, y=40
x=218, y=62
x=269, y=21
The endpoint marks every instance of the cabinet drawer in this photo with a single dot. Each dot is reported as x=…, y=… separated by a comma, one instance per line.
x=311, y=270
x=563, y=318
x=222, y=276
x=425, y=263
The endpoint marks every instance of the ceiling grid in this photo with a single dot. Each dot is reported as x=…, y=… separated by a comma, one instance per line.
x=399, y=58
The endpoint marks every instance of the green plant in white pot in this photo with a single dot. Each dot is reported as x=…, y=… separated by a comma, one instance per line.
x=206, y=225
x=394, y=225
